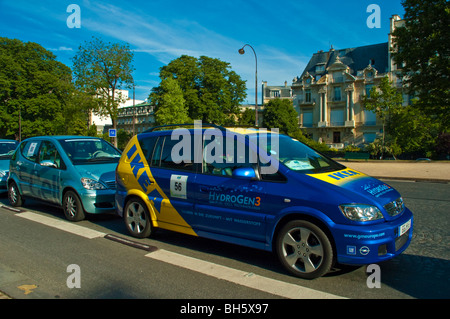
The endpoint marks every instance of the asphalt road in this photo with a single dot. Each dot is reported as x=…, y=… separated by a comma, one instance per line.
x=36, y=259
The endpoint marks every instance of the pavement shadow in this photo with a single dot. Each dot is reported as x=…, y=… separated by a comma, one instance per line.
x=417, y=276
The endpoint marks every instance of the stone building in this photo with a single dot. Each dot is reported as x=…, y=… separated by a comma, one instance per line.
x=327, y=95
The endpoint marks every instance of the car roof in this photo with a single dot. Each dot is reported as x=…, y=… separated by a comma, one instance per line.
x=8, y=140
x=162, y=130
x=62, y=137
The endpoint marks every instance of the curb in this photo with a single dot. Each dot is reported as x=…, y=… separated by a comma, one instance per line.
x=4, y=296
x=413, y=179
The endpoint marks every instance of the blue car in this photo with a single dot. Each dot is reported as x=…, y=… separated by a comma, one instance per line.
x=7, y=148
x=73, y=172
x=261, y=190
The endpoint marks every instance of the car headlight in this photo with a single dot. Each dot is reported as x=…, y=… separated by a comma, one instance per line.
x=361, y=212
x=3, y=174
x=90, y=183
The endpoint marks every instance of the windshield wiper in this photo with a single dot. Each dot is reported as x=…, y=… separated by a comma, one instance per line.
x=103, y=158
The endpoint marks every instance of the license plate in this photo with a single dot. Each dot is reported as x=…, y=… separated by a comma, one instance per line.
x=404, y=228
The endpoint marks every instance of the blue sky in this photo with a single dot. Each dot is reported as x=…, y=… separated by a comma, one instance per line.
x=284, y=34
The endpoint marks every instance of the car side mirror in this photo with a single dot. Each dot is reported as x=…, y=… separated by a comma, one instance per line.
x=49, y=163
x=244, y=173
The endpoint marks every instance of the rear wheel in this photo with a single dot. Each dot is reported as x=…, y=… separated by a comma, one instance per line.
x=137, y=218
x=304, y=249
x=14, y=196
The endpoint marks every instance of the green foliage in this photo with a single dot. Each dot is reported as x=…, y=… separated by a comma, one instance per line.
x=280, y=113
x=247, y=117
x=211, y=90
x=386, y=101
x=379, y=149
x=414, y=131
x=170, y=104
x=424, y=54
x=38, y=87
x=443, y=145
x=102, y=68
x=352, y=148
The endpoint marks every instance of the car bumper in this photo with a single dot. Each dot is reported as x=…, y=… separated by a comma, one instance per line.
x=98, y=201
x=362, y=245
x=3, y=183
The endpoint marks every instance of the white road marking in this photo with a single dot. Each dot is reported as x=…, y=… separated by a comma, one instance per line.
x=62, y=225
x=239, y=277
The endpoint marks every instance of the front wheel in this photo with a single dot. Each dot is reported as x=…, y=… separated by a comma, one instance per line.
x=72, y=206
x=304, y=249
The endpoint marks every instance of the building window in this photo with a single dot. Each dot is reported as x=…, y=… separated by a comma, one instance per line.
x=308, y=119
x=370, y=118
x=368, y=88
x=275, y=93
x=308, y=96
x=337, y=93
x=320, y=68
x=337, y=117
x=369, y=137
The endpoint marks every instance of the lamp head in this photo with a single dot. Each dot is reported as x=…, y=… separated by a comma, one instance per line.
x=241, y=51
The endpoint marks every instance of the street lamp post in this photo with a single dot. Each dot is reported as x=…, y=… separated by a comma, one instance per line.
x=241, y=51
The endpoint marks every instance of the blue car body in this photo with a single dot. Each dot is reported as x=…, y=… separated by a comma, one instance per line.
x=49, y=167
x=7, y=148
x=355, y=219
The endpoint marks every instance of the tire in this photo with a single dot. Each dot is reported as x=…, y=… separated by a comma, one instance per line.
x=304, y=249
x=14, y=196
x=137, y=218
x=72, y=207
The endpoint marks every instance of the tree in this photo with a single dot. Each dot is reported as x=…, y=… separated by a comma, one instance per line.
x=280, y=113
x=414, y=131
x=211, y=90
x=247, y=117
x=38, y=90
x=100, y=69
x=169, y=104
x=385, y=101
x=423, y=52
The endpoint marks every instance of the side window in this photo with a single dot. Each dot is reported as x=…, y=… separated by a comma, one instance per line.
x=30, y=150
x=223, y=155
x=147, y=146
x=178, y=154
x=156, y=158
x=48, y=155
x=271, y=177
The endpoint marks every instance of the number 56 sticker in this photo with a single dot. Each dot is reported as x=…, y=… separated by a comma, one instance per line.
x=178, y=185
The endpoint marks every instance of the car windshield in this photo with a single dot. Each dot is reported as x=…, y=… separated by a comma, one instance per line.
x=89, y=151
x=7, y=149
x=295, y=155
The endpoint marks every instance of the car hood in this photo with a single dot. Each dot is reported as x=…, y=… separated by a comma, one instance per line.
x=361, y=185
x=104, y=172
x=4, y=164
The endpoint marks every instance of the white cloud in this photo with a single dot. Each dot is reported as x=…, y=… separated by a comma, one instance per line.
x=62, y=48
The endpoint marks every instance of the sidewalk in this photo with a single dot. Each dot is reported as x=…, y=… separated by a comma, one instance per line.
x=417, y=171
